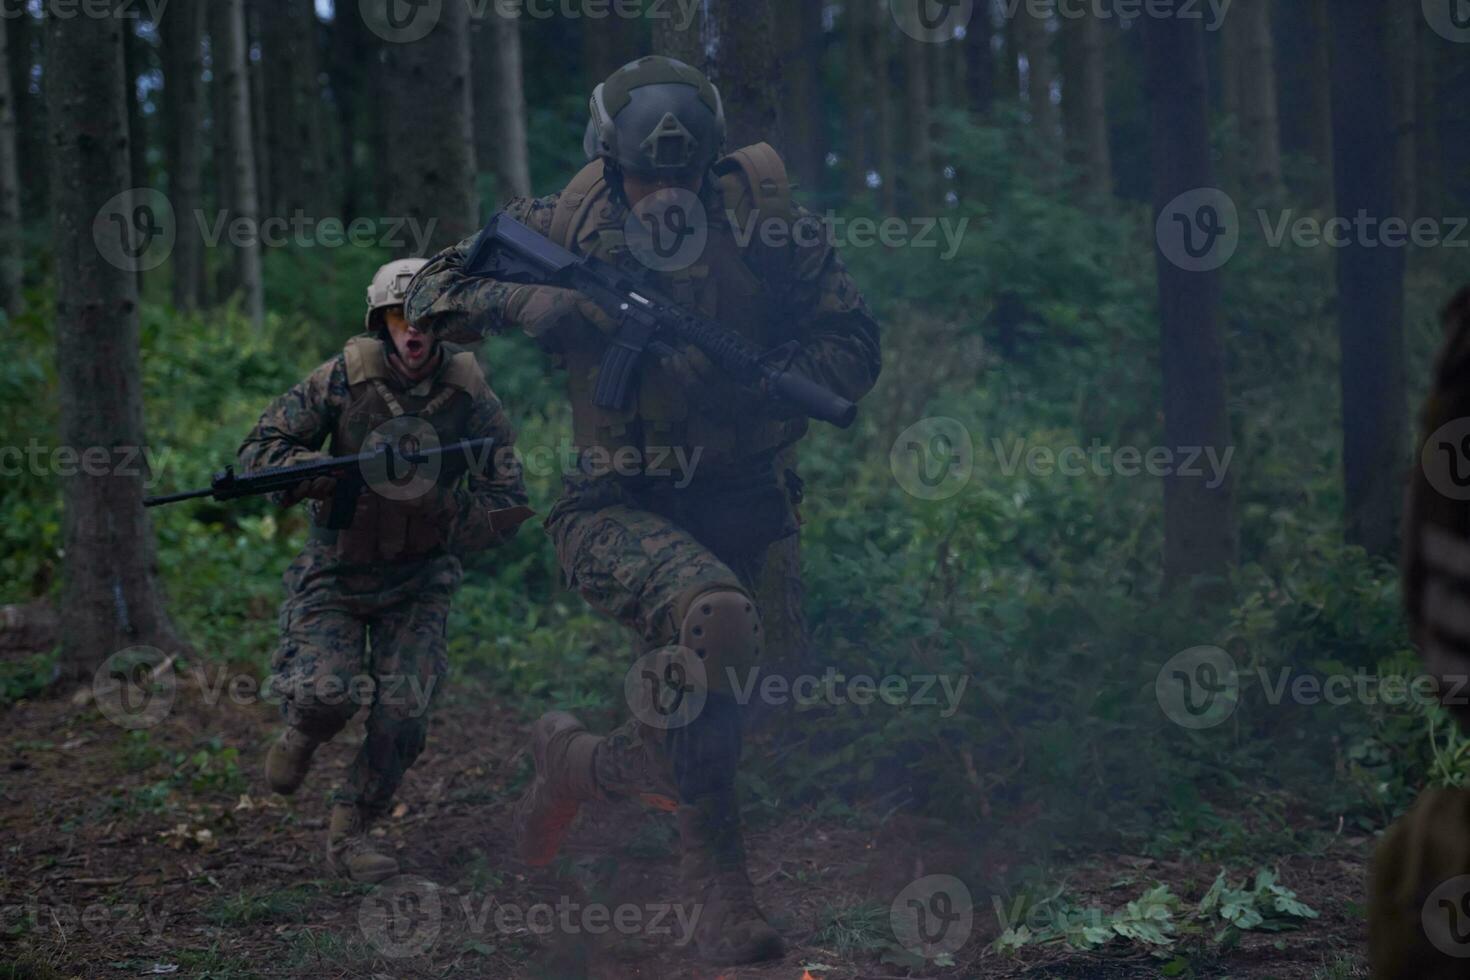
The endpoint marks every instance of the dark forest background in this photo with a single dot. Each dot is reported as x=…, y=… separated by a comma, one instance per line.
x=1067, y=315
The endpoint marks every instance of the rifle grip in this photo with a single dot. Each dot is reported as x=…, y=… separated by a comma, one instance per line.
x=344, y=504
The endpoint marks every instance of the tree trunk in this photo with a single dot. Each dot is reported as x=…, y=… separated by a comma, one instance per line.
x=857, y=94
x=1084, y=101
x=10, y=222
x=244, y=205
x=1260, y=115
x=1370, y=280
x=916, y=189
x=1200, y=537
x=1010, y=66
x=1403, y=41
x=886, y=126
x=110, y=595
x=500, y=102
x=294, y=137
x=1035, y=42
x=1232, y=60
x=430, y=131
x=734, y=45
x=803, y=43
x=255, y=69
x=608, y=44
x=183, y=92
x=1320, y=92
x=1429, y=161
x=980, y=61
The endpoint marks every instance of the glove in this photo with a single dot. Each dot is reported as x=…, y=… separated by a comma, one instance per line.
x=544, y=310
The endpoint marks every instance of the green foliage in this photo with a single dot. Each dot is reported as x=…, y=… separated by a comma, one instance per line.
x=1158, y=920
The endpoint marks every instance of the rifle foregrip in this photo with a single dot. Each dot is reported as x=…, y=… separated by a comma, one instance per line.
x=814, y=400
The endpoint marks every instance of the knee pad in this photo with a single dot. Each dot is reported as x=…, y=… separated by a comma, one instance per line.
x=723, y=628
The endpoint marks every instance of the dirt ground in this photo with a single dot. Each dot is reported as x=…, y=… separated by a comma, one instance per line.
x=113, y=865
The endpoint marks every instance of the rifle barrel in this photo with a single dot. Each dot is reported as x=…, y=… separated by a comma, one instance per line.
x=174, y=498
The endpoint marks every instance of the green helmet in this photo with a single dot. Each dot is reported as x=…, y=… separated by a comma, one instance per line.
x=657, y=118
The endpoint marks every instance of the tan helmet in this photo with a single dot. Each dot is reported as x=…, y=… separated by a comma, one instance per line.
x=390, y=286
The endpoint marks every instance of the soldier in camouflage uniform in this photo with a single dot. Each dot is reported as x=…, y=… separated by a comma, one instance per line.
x=670, y=548
x=1419, y=887
x=364, y=616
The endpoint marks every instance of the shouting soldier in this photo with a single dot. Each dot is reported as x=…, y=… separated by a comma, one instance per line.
x=364, y=617
x=669, y=545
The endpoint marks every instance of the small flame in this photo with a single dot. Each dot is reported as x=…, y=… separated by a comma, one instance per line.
x=807, y=975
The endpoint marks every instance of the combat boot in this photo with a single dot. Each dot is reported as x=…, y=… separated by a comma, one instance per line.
x=289, y=759
x=564, y=751
x=730, y=928
x=574, y=767
x=350, y=852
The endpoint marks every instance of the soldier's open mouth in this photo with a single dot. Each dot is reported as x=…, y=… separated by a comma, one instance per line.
x=415, y=348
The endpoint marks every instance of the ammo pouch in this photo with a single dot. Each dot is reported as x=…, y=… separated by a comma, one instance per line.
x=739, y=514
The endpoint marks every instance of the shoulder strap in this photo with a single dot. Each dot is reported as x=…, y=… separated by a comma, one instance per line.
x=365, y=359
x=754, y=179
x=463, y=372
x=574, y=202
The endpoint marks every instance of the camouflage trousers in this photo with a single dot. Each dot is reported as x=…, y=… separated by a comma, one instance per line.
x=365, y=635
x=643, y=569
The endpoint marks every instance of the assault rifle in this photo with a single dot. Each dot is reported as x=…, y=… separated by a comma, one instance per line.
x=349, y=471
x=508, y=251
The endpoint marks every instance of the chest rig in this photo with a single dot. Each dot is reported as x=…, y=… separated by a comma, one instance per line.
x=437, y=409
x=661, y=425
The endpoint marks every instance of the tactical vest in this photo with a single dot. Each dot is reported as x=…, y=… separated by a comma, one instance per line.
x=660, y=423
x=438, y=406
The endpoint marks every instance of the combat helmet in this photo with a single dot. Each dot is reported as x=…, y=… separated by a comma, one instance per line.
x=389, y=287
x=657, y=118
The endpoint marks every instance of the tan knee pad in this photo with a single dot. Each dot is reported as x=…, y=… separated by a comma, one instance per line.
x=723, y=628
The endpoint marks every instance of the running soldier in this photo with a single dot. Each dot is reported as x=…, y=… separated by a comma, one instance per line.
x=671, y=548
x=364, y=617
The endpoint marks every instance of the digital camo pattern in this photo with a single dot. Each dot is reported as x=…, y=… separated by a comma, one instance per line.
x=342, y=624
x=298, y=424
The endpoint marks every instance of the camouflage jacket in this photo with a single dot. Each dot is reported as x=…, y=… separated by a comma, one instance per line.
x=356, y=398
x=793, y=291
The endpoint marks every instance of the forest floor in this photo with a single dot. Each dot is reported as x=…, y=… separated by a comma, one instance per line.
x=112, y=864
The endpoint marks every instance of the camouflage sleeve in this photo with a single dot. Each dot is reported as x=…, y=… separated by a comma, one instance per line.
x=497, y=487
x=463, y=309
x=296, y=425
x=838, y=336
